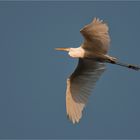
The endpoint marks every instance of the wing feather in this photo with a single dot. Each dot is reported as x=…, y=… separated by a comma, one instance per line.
x=96, y=36
x=80, y=85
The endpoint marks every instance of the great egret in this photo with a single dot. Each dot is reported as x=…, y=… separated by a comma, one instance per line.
x=92, y=56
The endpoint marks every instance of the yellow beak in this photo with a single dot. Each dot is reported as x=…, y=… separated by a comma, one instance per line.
x=63, y=49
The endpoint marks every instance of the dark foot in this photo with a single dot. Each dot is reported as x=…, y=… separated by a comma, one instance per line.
x=133, y=67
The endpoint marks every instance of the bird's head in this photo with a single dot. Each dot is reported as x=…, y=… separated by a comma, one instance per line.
x=73, y=52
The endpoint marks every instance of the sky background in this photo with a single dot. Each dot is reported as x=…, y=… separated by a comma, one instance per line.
x=33, y=75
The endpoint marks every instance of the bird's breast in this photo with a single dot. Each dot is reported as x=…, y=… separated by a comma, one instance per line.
x=94, y=55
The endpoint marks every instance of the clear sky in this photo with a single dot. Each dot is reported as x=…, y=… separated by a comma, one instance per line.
x=33, y=75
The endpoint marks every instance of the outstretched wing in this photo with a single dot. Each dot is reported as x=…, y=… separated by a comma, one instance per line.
x=96, y=36
x=80, y=85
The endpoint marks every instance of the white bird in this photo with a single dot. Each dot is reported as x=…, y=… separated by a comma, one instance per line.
x=92, y=56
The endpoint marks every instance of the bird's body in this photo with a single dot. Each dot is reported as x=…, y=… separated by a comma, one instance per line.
x=92, y=56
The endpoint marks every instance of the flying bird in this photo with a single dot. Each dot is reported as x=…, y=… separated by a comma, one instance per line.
x=92, y=55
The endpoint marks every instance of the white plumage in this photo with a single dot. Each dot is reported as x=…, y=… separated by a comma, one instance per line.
x=80, y=85
x=92, y=56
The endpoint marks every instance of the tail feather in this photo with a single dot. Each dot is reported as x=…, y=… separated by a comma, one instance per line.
x=130, y=66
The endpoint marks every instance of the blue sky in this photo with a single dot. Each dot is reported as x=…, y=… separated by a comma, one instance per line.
x=33, y=75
